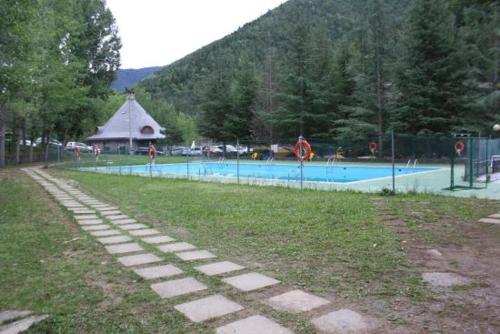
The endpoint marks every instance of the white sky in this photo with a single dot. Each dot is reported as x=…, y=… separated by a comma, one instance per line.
x=158, y=32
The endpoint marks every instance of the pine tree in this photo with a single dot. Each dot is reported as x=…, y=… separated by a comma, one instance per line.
x=431, y=75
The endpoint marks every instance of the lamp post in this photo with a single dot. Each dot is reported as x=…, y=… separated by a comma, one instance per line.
x=130, y=98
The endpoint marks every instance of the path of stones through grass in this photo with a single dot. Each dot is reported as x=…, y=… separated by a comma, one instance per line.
x=137, y=246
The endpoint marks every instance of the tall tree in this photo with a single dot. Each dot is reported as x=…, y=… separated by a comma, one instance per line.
x=431, y=76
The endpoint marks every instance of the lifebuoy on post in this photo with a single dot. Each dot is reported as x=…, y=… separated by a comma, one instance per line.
x=77, y=153
x=152, y=152
x=302, y=149
x=96, y=150
x=459, y=147
x=372, y=146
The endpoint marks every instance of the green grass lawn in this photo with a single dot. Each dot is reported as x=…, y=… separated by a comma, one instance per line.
x=330, y=243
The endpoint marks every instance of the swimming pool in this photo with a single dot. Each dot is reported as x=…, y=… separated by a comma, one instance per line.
x=285, y=172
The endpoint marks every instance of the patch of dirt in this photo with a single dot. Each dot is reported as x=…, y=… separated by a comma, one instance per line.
x=471, y=250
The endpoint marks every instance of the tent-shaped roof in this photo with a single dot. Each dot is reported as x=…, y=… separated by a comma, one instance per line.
x=131, y=120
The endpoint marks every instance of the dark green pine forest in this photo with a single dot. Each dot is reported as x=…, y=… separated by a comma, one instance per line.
x=333, y=69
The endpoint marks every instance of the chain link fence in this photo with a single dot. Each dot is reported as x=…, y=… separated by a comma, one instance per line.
x=391, y=163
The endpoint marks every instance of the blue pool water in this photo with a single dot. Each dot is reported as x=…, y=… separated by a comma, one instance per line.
x=339, y=173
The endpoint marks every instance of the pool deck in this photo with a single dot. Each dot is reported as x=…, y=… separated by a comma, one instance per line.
x=435, y=181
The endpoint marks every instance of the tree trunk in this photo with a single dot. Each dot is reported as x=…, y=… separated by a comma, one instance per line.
x=15, y=138
x=47, y=151
x=3, y=129
x=31, y=149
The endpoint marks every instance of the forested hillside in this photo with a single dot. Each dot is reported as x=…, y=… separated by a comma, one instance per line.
x=344, y=69
x=128, y=78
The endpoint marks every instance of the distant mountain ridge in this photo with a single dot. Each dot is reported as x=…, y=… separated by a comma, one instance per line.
x=128, y=78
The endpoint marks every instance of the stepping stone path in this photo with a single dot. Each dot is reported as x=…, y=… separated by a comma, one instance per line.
x=93, y=216
x=114, y=239
x=158, y=272
x=250, y=281
x=178, y=287
x=136, y=260
x=218, y=268
x=342, y=321
x=144, y=232
x=208, y=308
x=132, y=226
x=196, y=255
x=176, y=247
x=158, y=239
x=255, y=324
x=444, y=280
x=124, y=248
x=13, y=321
x=296, y=301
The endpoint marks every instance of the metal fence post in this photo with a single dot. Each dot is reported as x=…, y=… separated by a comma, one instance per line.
x=237, y=160
x=301, y=173
x=393, y=149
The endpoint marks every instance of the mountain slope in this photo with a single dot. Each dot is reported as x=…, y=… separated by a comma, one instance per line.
x=181, y=82
x=128, y=78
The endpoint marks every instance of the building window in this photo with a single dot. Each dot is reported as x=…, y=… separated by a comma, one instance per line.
x=147, y=130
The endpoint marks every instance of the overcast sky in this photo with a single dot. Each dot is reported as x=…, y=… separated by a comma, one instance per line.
x=158, y=32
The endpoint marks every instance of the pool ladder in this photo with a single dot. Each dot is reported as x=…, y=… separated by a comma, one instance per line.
x=409, y=164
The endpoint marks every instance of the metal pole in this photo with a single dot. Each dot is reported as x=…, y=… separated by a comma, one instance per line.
x=238, y=160
x=129, y=125
x=452, y=169
x=471, y=163
x=393, y=149
x=301, y=173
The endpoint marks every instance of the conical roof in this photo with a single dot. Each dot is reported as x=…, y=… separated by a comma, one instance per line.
x=130, y=120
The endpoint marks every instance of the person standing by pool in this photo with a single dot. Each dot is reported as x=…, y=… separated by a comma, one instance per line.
x=152, y=154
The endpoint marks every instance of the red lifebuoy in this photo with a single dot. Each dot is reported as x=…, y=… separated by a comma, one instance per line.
x=372, y=146
x=459, y=147
x=77, y=152
x=302, y=150
x=152, y=152
x=96, y=150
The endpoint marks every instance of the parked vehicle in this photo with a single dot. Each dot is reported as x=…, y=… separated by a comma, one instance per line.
x=72, y=145
x=54, y=142
x=177, y=150
x=196, y=151
x=26, y=143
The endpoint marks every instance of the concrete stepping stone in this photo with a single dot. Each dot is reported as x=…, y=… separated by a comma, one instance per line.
x=90, y=221
x=434, y=252
x=489, y=220
x=178, y=287
x=21, y=325
x=250, y=281
x=136, y=260
x=144, y=232
x=342, y=321
x=296, y=301
x=132, y=226
x=79, y=217
x=105, y=233
x=208, y=308
x=176, y=247
x=195, y=255
x=495, y=216
x=124, y=221
x=114, y=239
x=82, y=211
x=253, y=325
x=117, y=217
x=108, y=213
x=157, y=239
x=104, y=207
x=158, y=271
x=124, y=248
x=96, y=227
x=218, y=268
x=12, y=315
x=444, y=280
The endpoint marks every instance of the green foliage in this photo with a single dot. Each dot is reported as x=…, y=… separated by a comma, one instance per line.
x=346, y=68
